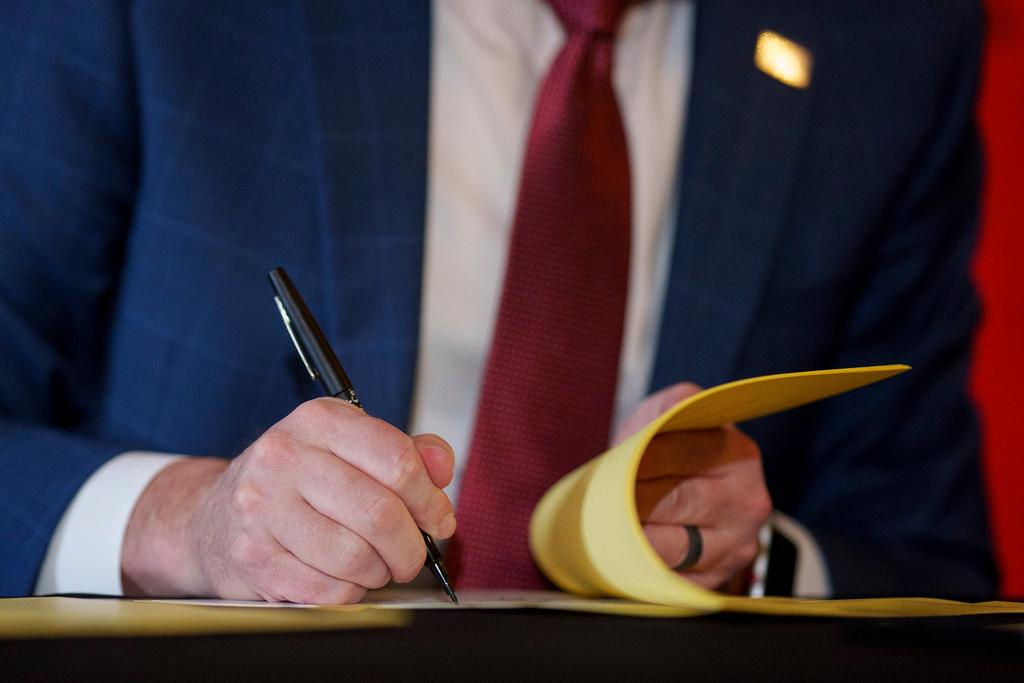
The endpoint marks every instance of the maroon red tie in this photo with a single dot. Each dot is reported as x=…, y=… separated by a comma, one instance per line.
x=549, y=385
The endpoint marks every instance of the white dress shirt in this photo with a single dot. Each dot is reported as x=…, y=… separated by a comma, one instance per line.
x=488, y=59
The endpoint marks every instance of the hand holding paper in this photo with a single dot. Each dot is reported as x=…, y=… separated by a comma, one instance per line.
x=711, y=479
x=586, y=533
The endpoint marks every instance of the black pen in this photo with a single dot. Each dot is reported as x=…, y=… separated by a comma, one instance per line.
x=324, y=367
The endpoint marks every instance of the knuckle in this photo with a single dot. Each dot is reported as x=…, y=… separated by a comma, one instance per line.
x=677, y=502
x=377, y=578
x=383, y=515
x=247, y=498
x=438, y=507
x=709, y=502
x=273, y=451
x=405, y=466
x=376, y=431
x=355, y=564
x=408, y=573
x=309, y=588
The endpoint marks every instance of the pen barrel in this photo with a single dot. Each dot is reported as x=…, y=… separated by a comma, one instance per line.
x=310, y=340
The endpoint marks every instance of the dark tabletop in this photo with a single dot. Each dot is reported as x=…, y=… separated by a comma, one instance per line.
x=535, y=645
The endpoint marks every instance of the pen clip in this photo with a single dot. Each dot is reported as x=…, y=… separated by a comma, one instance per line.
x=295, y=340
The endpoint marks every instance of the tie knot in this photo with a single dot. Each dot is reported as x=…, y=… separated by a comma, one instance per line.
x=596, y=17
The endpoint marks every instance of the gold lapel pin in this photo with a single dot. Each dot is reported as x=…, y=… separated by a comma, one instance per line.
x=783, y=60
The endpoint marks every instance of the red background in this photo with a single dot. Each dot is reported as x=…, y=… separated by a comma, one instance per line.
x=998, y=378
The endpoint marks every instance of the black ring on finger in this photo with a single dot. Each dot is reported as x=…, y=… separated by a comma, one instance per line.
x=693, y=549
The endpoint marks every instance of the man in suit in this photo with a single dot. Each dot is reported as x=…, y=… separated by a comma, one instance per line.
x=158, y=158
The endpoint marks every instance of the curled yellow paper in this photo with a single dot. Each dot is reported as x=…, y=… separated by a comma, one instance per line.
x=585, y=534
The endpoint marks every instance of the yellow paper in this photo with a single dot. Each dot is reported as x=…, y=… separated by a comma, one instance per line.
x=404, y=598
x=58, y=617
x=868, y=607
x=586, y=536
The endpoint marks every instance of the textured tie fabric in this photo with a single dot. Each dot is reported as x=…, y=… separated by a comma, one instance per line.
x=549, y=384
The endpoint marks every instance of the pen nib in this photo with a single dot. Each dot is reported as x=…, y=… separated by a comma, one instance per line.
x=435, y=564
x=441, y=576
x=443, y=580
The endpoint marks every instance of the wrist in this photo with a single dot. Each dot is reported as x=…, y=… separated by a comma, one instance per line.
x=158, y=556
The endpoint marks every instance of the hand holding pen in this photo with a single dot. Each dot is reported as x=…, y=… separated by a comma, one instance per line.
x=324, y=367
x=324, y=505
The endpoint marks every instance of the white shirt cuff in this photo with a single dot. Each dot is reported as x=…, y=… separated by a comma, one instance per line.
x=810, y=577
x=84, y=555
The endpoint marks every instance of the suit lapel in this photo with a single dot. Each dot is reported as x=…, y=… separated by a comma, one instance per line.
x=369, y=66
x=742, y=145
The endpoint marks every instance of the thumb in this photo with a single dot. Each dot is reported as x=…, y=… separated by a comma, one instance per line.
x=653, y=406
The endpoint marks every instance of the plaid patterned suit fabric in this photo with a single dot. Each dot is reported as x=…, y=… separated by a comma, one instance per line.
x=158, y=158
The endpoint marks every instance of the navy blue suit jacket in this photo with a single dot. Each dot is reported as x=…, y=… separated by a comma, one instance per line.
x=158, y=157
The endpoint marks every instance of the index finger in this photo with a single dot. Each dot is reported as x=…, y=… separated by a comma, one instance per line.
x=387, y=455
